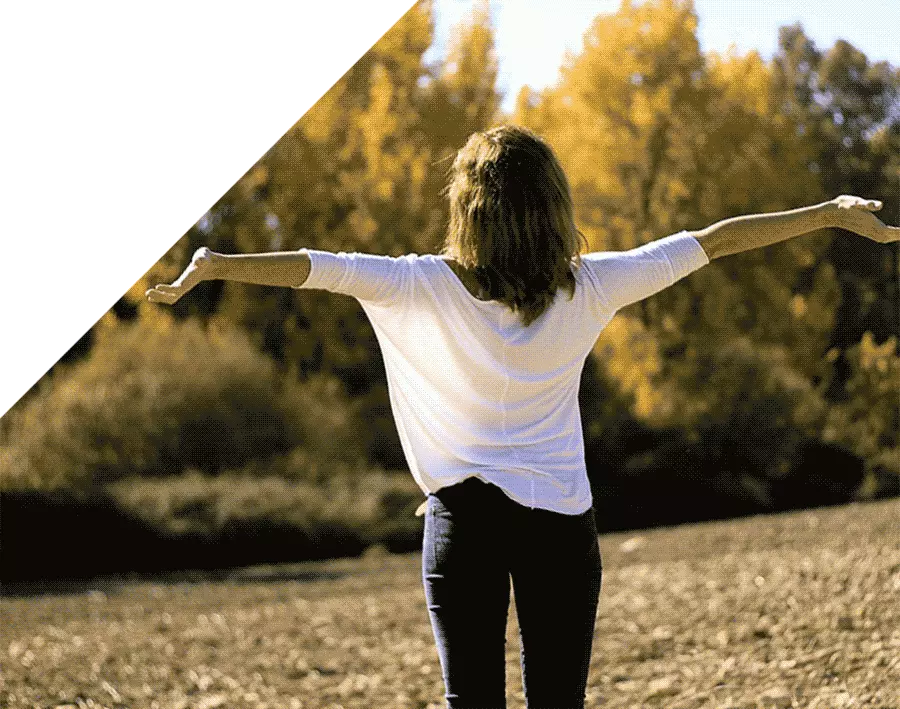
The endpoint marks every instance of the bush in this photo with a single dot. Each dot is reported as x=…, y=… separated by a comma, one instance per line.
x=741, y=434
x=198, y=503
x=882, y=478
x=869, y=417
x=198, y=521
x=757, y=408
x=154, y=400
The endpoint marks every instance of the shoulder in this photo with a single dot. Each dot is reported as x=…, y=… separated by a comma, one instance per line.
x=428, y=265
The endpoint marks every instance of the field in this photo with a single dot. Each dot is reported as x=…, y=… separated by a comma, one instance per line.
x=790, y=610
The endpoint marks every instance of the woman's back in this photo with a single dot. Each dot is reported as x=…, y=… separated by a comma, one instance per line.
x=476, y=392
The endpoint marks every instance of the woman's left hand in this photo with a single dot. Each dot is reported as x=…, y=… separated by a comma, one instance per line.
x=198, y=270
x=855, y=214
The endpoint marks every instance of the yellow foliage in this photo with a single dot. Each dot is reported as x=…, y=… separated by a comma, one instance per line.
x=745, y=80
x=630, y=356
x=107, y=321
x=798, y=305
x=363, y=225
x=157, y=319
x=874, y=356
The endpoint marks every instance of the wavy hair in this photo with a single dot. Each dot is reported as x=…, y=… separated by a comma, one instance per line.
x=511, y=219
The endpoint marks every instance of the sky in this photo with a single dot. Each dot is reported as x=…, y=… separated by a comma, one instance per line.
x=532, y=37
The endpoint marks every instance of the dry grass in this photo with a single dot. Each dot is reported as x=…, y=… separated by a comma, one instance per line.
x=793, y=610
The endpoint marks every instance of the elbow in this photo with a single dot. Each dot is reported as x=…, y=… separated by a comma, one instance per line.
x=710, y=245
x=305, y=267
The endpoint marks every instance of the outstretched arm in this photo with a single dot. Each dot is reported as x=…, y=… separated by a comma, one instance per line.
x=379, y=280
x=625, y=277
x=731, y=236
x=280, y=268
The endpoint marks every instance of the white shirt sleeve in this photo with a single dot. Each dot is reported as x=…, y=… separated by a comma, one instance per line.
x=625, y=277
x=367, y=277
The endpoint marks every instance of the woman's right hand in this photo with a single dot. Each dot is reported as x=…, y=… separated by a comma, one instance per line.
x=855, y=214
x=198, y=270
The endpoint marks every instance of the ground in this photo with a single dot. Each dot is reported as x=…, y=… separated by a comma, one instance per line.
x=789, y=610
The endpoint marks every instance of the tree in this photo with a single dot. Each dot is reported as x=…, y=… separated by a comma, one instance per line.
x=847, y=110
x=656, y=137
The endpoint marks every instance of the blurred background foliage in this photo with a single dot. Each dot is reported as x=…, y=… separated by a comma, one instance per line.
x=253, y=424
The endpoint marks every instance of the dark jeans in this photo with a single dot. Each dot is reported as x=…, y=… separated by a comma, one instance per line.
x=476, y=538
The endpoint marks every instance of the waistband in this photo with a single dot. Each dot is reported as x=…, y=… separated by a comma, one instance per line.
x=470, y=486
x=478, y=493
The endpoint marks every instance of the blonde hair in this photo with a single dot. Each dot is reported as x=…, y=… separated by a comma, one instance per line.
x=511, y=219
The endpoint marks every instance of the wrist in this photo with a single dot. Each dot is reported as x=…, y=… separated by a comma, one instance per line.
x=831, y=214
x=215, y=265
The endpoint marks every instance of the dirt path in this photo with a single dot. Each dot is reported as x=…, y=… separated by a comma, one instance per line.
x=792, y=610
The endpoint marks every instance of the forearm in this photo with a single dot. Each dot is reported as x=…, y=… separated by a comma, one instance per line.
x=752, y=231
x=279, y=268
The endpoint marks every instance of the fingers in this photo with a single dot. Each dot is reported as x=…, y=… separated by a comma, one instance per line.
x=162, y=293
x=848, y=201
x=871, y=205
x=169, y=293
x=173, y=289
x=155, y=296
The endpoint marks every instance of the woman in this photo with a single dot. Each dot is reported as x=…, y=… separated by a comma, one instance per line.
x=483, y=348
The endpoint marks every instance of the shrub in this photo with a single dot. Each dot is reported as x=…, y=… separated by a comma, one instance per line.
x=867, y=422
x=277, y=519
x=753, y=407
x=158, y=399
x=200, y=521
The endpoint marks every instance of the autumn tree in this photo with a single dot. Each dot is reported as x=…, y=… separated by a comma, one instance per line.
x=847, y=110
x=657, y=137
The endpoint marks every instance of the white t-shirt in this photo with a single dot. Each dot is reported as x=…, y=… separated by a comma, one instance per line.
x=473, y=391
